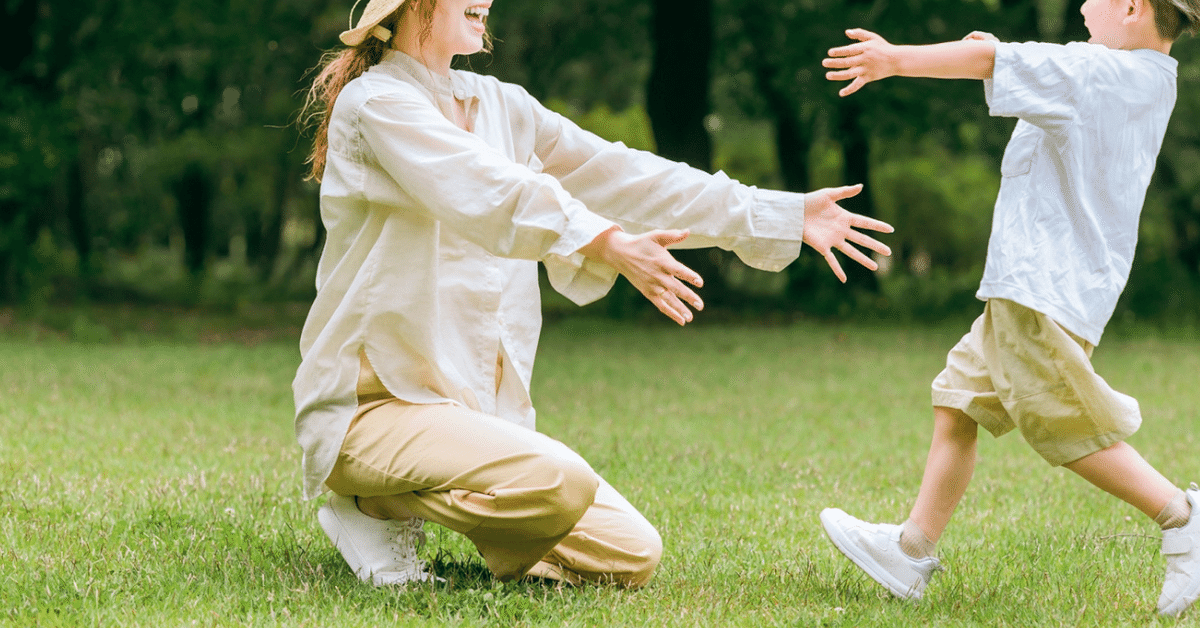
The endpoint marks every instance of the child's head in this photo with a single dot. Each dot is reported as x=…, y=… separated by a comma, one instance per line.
x=1133, y=24
x=1176, y=17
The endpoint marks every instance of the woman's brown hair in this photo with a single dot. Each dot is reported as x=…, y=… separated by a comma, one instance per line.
x=339, y=67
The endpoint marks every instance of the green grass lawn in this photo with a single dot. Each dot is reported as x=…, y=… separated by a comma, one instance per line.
x=154, y=483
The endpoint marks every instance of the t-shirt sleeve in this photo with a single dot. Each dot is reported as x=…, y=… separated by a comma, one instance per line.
x=1043, y=84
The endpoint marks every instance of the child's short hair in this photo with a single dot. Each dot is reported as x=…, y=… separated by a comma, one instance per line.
x=1176, y=17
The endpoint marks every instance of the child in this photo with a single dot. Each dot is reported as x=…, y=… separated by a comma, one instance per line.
x=1074, y=176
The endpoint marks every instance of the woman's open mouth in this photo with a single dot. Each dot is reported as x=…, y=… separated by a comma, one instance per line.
x=477, y=15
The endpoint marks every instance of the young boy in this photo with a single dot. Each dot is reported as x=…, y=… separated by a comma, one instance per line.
x=1074, y=176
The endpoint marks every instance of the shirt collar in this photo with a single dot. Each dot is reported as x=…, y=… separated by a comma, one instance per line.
x=452, y=85
x=1167, y=62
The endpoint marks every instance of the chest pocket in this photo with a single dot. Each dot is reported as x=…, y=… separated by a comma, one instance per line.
x=1018, y=155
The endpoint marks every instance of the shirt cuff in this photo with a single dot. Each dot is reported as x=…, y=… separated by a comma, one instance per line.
x=777, y=222
x=580, y=279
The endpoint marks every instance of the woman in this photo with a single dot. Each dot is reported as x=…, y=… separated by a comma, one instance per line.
x=440, y=192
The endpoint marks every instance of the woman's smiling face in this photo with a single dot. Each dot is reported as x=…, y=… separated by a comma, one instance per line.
x=459, y=26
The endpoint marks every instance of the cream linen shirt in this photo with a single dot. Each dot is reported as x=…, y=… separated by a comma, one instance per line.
x=1074, y=175
x=434, y=234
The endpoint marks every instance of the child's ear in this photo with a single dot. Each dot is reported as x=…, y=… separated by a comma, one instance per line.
x=1135, y=10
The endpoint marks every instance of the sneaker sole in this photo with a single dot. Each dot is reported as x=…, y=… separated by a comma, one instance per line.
x=864, y=561
x=1182, y=602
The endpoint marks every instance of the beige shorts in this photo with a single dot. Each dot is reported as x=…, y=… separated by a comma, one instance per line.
x=1019, y=368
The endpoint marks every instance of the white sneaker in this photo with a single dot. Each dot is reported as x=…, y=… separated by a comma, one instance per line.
x=1181, y=546
x=382, y=552
x=875, y=548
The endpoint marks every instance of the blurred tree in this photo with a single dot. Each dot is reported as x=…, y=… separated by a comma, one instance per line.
x=172, y=127
x=145, y=145
x=677, y=96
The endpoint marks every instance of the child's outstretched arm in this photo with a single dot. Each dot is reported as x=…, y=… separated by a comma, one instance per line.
x=873, y=58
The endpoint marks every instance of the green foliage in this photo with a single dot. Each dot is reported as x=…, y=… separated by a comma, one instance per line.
x=630, y=126
x=108, y=105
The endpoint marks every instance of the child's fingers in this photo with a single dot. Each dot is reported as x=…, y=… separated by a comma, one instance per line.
x=853, y=87
x=843, y=75
x=846, y=51
x=861, y=34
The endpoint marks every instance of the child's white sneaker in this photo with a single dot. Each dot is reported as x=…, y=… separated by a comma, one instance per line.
x=1181, y=546
x=379, y=551
x=875, y=548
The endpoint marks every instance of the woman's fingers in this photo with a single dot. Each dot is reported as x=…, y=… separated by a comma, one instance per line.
x=676, y=296
x=832, y=260
x=859, y=221
x=845, y=192
x=867, y=241
x=853, y=253
x=668, y=303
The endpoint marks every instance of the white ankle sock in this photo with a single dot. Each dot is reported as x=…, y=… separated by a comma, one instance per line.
x=914, y=542
x=1176, y=513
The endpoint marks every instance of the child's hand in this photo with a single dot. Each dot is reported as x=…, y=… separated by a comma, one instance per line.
x=645, y=261
x=869, y=60
x=827, y=226
x=980, y=36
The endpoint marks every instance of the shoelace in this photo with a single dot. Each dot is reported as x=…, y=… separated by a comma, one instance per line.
x=408, y=537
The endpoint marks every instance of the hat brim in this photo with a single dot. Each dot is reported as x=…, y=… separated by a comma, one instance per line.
x=375, y=12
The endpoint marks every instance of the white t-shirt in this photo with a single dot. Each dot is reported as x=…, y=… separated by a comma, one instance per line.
x=434, y=235
x=1074, y=174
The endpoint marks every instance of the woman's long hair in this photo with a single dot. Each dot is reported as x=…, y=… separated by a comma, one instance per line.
x=339, y=67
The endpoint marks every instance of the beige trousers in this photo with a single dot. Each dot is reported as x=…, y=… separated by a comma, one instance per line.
x=528, y=503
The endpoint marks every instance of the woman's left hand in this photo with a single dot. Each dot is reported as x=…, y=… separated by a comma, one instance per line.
x=645, y=261
x=829, y=227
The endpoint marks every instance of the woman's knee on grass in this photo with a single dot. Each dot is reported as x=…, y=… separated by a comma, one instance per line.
x=555, y=491
x=643, y=560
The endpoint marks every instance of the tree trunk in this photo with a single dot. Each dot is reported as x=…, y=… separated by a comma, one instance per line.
x=273, y=233
x=81, y=235
x=677, y=94
x=792, y=135
x=194, y=193
x=677, y=101
x=856, y=151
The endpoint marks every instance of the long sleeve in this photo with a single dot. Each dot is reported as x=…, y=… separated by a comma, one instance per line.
x=472, y=189
x=641, y=191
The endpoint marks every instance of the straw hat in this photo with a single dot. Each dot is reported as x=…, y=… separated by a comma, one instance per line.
x=368, y=23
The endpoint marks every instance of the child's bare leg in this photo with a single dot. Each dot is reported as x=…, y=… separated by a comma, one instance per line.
x=1121, y=471
x=948, y=470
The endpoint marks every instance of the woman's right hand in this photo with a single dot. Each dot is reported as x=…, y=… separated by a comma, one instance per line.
x=645, y=261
